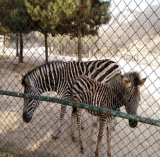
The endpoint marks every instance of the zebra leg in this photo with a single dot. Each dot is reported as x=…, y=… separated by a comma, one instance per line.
x=73, y=118
x=82, y=117
x=79, y=111
x=94, y=132
x=59, y=130
x=109, y=130
x=82, y=123
x=102, y=122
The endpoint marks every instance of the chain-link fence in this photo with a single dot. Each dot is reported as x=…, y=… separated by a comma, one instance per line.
x=32, y=33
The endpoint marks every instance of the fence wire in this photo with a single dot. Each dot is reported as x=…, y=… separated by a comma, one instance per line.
x=32, y=33
x=84, y=106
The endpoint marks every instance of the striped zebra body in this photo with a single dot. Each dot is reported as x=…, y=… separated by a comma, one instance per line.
x=59, y=76
x=120, y=91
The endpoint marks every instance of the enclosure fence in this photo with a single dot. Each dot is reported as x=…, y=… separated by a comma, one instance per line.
x=33, y=33
x=85, y=106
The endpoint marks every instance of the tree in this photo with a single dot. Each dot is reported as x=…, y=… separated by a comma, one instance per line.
x=4, y=31
x=77, y=18
x=14, y=16
x=49, y=14
x=88, y=16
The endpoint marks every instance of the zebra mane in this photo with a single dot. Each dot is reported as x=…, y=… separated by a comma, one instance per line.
x=134, y=77
x=56, y=63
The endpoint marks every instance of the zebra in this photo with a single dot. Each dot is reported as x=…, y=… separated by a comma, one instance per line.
x=59, y=76
x=122, y=90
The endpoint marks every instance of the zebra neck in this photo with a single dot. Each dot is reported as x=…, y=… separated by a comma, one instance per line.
x=114, y=94
x=47, y=77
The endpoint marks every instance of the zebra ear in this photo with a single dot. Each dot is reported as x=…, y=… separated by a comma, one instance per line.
x=125, y=81
x=142, y=81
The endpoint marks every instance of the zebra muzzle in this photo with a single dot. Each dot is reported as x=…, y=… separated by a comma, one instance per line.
x=26, y=119
x=133, y=123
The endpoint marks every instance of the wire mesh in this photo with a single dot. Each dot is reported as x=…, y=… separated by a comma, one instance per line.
x=131, y=38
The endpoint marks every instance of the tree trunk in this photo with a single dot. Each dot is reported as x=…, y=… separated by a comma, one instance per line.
x=17, y=53
x=46, y=47
x=79, y=44
x=4, y=40
x=21, y=49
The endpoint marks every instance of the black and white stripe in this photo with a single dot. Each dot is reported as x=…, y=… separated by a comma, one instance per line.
x=59, y=76
x=122, y=90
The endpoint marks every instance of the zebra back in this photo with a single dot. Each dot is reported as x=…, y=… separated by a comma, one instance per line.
x=59, y=76
x=122, y=90
x=89, y=91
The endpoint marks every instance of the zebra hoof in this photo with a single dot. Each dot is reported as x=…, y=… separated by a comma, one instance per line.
x=82, y=127
x=82, y=150
x=96, y=154
x=56, y=135
x=74, y=139
x=95, y=124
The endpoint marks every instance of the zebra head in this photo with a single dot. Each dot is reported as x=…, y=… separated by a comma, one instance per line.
x=132, y=82
x=29, y=104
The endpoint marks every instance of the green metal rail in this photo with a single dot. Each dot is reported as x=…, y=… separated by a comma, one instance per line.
x=82, y=105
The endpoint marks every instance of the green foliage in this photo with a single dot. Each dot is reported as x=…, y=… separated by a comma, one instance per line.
x=14, y=16
x=66, y=17
x=54, y=16
x=89, y=16
x=3, y=30
x=49, y=13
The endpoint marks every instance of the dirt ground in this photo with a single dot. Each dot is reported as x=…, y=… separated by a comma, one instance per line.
x=6, y=154
x=35, y=139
